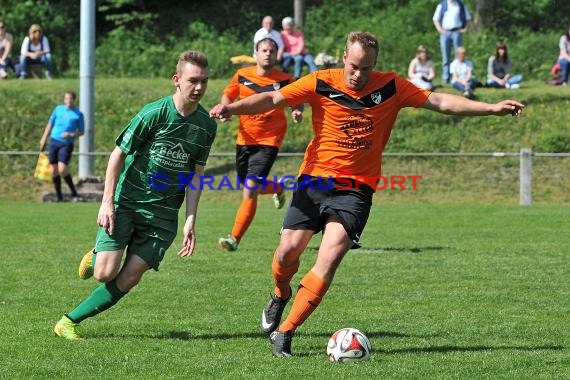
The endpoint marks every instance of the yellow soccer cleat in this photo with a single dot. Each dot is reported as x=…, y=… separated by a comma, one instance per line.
x=65, y=328
x=85, y=266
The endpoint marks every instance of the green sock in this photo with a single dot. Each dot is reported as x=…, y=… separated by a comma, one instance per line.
x=102, y=298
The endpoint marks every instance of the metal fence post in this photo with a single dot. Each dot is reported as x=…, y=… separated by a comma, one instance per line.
x=525, y=177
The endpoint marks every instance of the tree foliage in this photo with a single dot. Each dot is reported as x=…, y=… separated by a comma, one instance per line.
x=143, y=37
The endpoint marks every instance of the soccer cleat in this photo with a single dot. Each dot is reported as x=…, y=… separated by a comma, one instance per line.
x=272, y=312
x=279, y=200
x=65, y=328
x=282, y=343
x=228, y=243
x=85, y=266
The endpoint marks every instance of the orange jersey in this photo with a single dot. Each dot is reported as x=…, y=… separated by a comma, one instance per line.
x=351, y=127
x=263, y=129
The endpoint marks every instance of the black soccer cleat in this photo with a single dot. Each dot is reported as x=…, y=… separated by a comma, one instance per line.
x=281, y=343
x=272, y=312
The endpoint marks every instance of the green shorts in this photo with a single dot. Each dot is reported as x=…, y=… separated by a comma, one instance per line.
x=145, y=235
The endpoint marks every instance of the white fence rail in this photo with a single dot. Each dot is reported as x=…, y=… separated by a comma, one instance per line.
x=525, y=158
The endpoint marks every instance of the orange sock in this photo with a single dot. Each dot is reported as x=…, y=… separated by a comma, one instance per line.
x=271, y=188
x=311, y=292
x=244, y=216
x=282, y=276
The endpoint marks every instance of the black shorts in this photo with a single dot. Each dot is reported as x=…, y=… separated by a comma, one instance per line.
x=315, y=200
x=254, y=161
x=60, y=152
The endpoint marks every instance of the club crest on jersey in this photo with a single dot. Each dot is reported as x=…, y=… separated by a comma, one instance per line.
x=376, y=97
x=276, y=86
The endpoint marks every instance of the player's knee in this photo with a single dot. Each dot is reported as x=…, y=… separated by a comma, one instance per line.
x=288, y=252
x=104, y=274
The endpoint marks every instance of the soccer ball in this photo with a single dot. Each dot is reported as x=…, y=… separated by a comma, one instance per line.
x=348, y=345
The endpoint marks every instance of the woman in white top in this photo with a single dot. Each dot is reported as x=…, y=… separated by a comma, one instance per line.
x=35, y=49
x=421, y=71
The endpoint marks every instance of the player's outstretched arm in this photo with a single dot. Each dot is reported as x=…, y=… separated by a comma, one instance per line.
x=457, y=105
x=252, y=105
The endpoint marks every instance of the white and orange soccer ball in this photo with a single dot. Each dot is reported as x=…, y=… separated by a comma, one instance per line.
x=348, y=345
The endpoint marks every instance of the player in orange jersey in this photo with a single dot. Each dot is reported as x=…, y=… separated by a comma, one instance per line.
x=354, y=110
x=259, y=137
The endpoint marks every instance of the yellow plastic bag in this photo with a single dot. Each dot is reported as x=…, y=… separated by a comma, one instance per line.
x=43, y=168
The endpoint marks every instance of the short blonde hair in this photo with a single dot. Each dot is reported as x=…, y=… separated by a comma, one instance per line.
x=368, y=41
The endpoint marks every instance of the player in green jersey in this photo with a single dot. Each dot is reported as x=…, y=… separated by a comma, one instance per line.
x=148, y=175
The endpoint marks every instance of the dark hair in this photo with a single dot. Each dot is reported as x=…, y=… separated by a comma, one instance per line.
x=501, y=45
x=191, y=56
x=567, y=33
x=72, y=93
x=269, y=40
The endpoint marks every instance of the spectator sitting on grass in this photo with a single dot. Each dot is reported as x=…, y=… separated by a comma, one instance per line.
x=564, y=58
x=35, y=50
x=294, y=50
x=421, y=71
x=462, y=73
x=499, y=70
x=6, y=43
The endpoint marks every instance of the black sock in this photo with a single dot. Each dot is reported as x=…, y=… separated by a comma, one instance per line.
x=57, y=184
x=69, y=182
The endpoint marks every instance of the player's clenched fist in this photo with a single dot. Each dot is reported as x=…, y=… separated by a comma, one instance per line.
x=220, y=112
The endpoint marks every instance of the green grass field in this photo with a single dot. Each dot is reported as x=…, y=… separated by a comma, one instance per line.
x=442, y=291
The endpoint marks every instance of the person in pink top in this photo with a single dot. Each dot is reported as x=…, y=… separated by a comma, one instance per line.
x=295, y=51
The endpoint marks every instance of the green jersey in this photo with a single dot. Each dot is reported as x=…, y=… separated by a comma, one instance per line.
x=162, y=149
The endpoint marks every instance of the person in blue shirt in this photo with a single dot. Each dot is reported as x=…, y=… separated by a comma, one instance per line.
x=65, y=124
